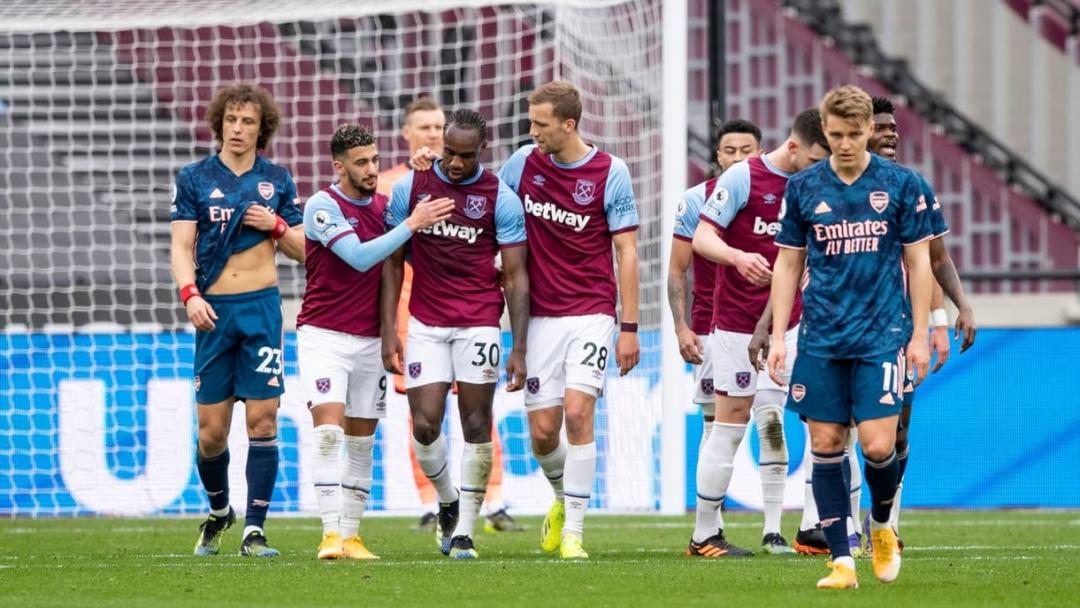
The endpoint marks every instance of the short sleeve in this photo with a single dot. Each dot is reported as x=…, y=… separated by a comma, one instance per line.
x=323, y=220
x=937, y=218
x=509, y=217
x=914, y=216
x=398, y=209
x=184, y=207
x=510, y=172
x=728, y=197
x=289, y=207
x=620, y=205
x=792, y=226
x=688, y=212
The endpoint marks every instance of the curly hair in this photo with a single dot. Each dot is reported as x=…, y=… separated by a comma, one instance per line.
x=241, y=94
x=349, y=136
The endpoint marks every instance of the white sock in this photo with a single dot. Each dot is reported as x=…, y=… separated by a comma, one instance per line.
x=580, y=475
x=355, y=482
x=713, y=476
x=250, y=529
x=475, y=470
x=436, y=466
x=856, y=482
x=894, y=512
x=326, y=473
x=773, y=460
x=810, y=517
x=220, y=512
x=552, y=464
x=706, y=429
x=846, y=560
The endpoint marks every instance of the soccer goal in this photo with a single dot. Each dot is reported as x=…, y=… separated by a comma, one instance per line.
x=98, y=110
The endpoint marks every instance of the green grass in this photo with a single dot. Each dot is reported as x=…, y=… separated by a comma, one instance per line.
x=1026, y=558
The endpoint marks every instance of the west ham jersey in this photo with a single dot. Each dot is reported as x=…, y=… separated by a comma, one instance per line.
x=686, y=222
x=855, y=302
x=337, y=296
x=210, y=194
x=571, y=211
x=744, y=206
x=454, y=275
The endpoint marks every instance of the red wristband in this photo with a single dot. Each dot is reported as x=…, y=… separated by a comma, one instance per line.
x=189, y=291
x=279, y=229
x=628, y=327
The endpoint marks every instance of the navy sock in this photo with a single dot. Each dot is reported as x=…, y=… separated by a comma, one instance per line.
x=262, y=465
x=833, y=500
x=847, y=480
x=901, y=463
x=881, y=476
x=214, y=473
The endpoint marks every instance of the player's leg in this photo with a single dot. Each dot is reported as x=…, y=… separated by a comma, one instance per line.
x=476, y=367
x=212, y=459
x=820, y=394
x=324, y=360
x=585, y=363
x=768, y=412
x=876, y=411
x=810, y=539
x=260, y=383
x=544, y=394
x=855, y=481
x=704, y=391
x=903, y=448
x=366, y=406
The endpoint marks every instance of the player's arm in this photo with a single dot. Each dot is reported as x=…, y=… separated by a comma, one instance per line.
x=516, y=288
x=285, y=227
x=758, y=347
x=945, y=272
x=728, y=198
x=939, y=326
x=682, y=254
x=627, y=347
x=620, y=207
x=787, y=271
x=393, y=271
x=185, y=229
x=920, y=281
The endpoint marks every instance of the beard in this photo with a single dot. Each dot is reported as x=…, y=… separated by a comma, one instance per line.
x=364, y=191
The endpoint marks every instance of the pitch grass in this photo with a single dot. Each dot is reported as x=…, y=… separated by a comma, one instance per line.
x=1024, y=558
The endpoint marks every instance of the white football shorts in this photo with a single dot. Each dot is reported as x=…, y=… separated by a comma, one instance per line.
x=336, y=367
x=567, y=352
x=733, y=375
x=704, y=394
x=445, y=354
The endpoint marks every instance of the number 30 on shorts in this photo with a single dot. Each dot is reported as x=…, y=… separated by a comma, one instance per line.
x=595, y=356
x=269, y=355
x=487, y=354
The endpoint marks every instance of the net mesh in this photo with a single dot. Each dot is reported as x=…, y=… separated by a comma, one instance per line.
x=98, y=111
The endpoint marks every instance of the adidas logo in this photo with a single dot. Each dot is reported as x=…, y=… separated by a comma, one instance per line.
x=887, y=399
x=273, y=381
x=823, y=207
x=217, y=194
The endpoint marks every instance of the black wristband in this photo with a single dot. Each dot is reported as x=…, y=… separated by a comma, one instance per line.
x=628, y=327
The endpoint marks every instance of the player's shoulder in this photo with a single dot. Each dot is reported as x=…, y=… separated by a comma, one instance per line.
x=700, y=190
x=320, y=199
x=271, y=170
x=195, y=169
x=524, y=152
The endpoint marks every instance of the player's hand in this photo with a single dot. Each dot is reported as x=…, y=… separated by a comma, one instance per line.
x=422, y=159
x=200, y=313
x=627, y=351
x=939, y=343
x=758, y=348
x=690, y=346
x=259, y=218
x=515, y=371
x=918, y=358
x=753, y=267
x=393, y=355
x=965, y=324
x=777, y=361
x=429, y=212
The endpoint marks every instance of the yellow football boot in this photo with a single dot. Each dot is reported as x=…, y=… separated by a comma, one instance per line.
x=354, y=549
x=551, y=531
x=842, y=577
x=330, y=547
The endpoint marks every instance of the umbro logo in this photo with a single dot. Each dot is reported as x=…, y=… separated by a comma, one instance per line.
x=217, y=194
x=887, y=399
x=538, y=180
x=822, y=207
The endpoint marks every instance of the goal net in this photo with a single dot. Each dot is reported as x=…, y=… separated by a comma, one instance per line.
x=98, y=111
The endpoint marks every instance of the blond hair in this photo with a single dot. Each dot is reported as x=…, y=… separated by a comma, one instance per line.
x=563, y=97
x=848, y=102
